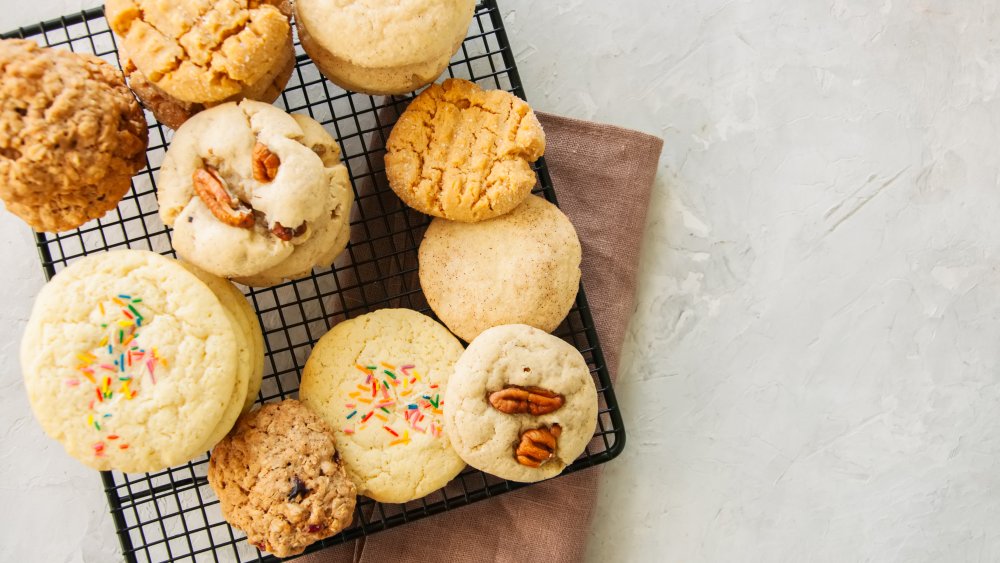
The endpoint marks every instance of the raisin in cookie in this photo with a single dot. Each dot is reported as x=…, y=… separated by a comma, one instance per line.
x=522, y=404
x=379, y=47
x=522, y=267
x=279, y=479
x=255, y=194
x=378, y=381
x=71, y=136
x=464, y=153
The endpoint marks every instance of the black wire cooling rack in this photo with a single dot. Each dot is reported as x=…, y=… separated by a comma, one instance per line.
x=173, y=515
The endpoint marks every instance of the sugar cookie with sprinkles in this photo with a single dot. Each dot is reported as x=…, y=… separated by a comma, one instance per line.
x=129, y=361
x=379, y=380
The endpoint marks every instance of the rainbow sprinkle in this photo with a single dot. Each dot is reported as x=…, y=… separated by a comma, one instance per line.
x=124, y=357
x=389, y=405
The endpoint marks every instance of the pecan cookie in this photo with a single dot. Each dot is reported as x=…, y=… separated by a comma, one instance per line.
x=198, y=52
x=522, y=404
x=255, y=194
x=379, y=381
x=379, y=47
x=279, y=479
x=71, y=136
x=463, y=153
x=522, y=267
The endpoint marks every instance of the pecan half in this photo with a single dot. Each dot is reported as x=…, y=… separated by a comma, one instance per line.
x=265, y=163
x=537, y=445
x=225, y=206
x=286, y=234
x=514, y=399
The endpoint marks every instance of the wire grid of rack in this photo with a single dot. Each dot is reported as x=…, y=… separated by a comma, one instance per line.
x=173, y=515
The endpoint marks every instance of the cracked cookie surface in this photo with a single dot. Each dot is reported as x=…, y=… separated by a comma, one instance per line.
x=279, y=479
x=173, y=112
x=130, y=361
x=202, y=50
x=71, y=136
x=258, y=231
x=519, y=355
x=522, y=267
x=379, y=381
x=463, y=153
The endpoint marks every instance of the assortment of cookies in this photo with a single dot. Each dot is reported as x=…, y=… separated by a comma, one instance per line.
x=136, y=362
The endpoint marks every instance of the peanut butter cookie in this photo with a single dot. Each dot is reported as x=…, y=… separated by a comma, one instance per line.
x=197, y=51
x=463, y=153
x=379, y=47
x=279, y=479
x=173, y=112
x=71, y=136
x=255, y=194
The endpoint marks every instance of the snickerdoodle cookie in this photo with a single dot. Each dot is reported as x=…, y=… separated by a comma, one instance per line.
x=522, y=267
x=181, y=57
x=522, y=404
x=71, y=136
x=255, y=194
x=379, y=47
x=464, y=153
x=280, y=480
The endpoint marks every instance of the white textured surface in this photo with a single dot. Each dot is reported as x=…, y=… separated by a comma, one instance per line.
x=812, y=370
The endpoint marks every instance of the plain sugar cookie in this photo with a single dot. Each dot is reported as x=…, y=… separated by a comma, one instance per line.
x=379, y=47
x=522, y=404
x=129, y=361
x=379, y=381
x=523, y=267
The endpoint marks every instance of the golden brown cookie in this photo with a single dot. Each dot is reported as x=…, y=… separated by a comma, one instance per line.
x=173, y=112
x=519, y=268
x=71, y=136
x=463, y=153
x=280, y=480
x=198, y=51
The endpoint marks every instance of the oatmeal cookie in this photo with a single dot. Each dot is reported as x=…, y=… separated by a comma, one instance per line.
x=463, y=153
x=279, y=479
x=71, y=136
